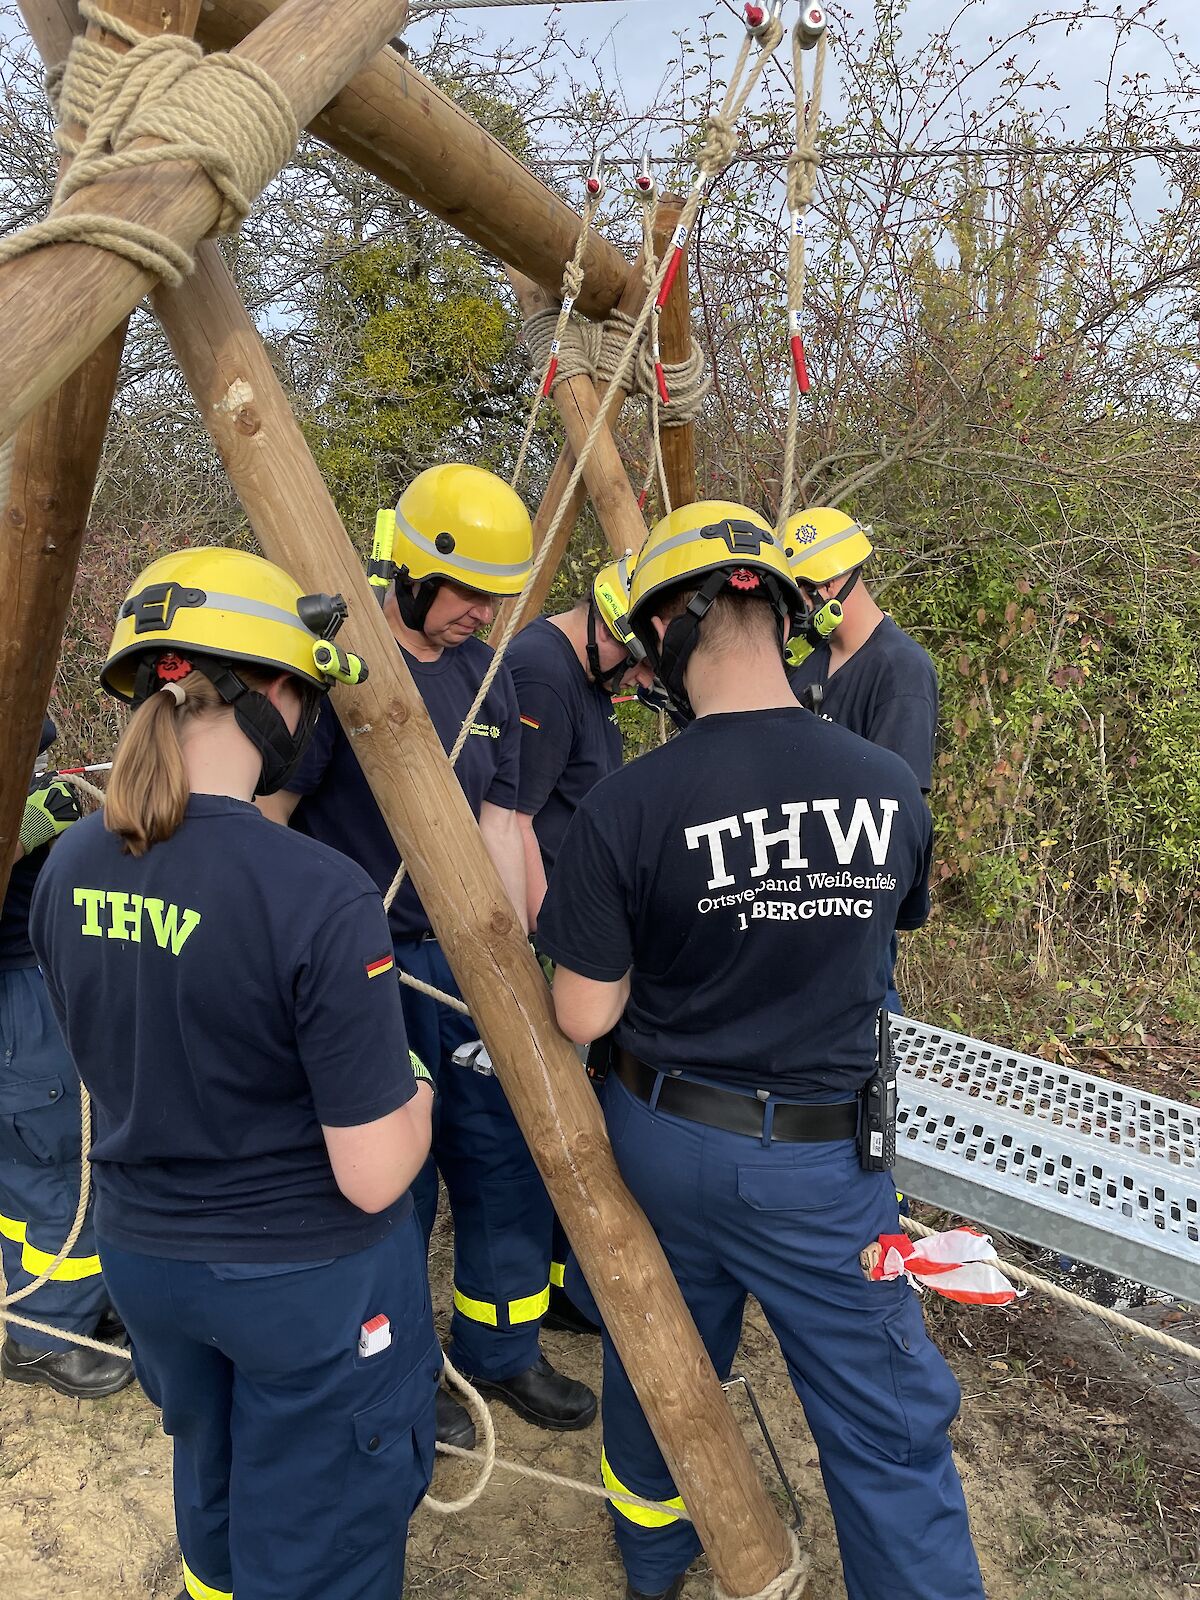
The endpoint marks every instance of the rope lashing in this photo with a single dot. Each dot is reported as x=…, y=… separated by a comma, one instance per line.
x=221, y=112
x=572, y=283
x=594, y=349
x=790, y=1584
x=802, y=168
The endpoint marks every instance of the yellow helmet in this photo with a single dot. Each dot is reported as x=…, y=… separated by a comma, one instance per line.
x=822, y=544
x=457, y=522
x=610, y=596
x=231, y=606
x=710, y=546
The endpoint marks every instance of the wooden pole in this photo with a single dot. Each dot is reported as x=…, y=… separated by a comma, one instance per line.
x=604, y=472
x=396, y=124
x=425, y=808
x=614, y=399
x=59, y=302
x=55, y=457
x=675, y=340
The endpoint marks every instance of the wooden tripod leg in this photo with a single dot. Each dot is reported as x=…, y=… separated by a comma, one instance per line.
x=297, y=525
x=55, y=457
x=675, y=340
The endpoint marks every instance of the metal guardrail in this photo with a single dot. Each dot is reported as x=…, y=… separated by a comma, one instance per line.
x=1102, y=1173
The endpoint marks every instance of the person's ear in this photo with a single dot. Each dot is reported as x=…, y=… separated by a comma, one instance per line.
x=660, y=627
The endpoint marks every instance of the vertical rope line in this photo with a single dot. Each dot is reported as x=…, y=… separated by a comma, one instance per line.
x=802, y=167
x=571, y=285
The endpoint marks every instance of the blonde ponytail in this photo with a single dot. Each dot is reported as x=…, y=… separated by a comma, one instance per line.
x=147, y=794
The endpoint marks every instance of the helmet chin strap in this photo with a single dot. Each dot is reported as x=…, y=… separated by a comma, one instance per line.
x=606, y=680
x=414, y=603
x=254, y=714
x=683, y=634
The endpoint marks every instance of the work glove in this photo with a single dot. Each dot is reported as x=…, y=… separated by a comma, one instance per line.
x=50, y=810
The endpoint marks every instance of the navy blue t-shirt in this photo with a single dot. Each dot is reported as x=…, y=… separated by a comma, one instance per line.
x=338, y=807
x=887, y=692
x=15, y=948
x=223, y=996
x=569, y=733
x=751, y=873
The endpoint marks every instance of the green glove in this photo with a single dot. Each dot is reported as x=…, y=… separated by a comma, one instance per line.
x=50, y=810
x=420, y=1071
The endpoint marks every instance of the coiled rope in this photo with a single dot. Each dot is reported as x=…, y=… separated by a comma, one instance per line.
x=222, y=112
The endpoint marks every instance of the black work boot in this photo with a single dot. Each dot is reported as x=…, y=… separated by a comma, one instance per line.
x=79, y=1373
x=544, y=1397
x=672, y=1593
x=454, y=1425
x=564, y=1316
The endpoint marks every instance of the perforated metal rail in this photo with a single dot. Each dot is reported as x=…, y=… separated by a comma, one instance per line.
x=1103, y=1173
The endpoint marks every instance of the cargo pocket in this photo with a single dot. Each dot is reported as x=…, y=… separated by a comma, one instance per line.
x=391, y=1457
x=927, y=1392
x=33, y=1121
x=819, y=1179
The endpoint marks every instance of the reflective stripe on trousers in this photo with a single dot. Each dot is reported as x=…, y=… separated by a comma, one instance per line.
x=530, y=1309
x=638, y=1514
x=199, y=1590
x=35, y=1261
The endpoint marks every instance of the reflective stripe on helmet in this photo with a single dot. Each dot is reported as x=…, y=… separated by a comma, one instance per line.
x=453, y=563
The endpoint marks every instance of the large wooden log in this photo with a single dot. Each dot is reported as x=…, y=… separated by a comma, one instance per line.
x=675, y=340
x=59, y=302
x=614, y=400
x=396, y=124
x=297, y=525
x=56, y=454
x=604, y=474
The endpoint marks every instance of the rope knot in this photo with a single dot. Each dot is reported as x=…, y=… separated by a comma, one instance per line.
x=220, y=112
x=720, y=144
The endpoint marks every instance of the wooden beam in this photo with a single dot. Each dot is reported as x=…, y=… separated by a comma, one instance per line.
x=297, y=525
x=55, y=457
x=399, y=126
x=59, y=302
x=614, y=400
x=604, y=472
x=675, y=340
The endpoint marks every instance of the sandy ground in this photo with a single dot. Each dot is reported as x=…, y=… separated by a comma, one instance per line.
x=1081, y=1470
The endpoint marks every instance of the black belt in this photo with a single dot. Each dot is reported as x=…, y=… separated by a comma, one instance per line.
x=737, y=1113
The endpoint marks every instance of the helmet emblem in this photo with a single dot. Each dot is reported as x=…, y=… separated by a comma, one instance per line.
x=741, y=538
x=154, y=608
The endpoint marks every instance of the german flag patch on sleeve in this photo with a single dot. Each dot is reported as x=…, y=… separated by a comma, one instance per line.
x=380, y=965
x=530, y=722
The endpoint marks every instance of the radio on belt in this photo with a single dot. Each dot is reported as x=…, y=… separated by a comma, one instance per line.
x=374, y=1335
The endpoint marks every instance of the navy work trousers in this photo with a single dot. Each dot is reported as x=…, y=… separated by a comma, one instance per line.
x=502, y=1213
x=40, y=1167
x=786, y=1223
x=298, y=1462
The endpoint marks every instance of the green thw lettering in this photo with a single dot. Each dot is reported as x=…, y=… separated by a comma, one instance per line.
x=165, y=920
x=91, y=900
x=124, y=916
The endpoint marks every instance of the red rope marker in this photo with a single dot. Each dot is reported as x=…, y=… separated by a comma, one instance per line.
x=754, y=16
x=799, y=363
x=678, y=241
x=548, y=380
x=642, y=507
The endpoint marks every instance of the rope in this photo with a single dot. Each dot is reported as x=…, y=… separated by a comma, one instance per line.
x=594, y=350
x=1066, y=1297
x=8, y=451
x=571, y=285
x=802, y=168
x=222, y=112
x=789, y=1585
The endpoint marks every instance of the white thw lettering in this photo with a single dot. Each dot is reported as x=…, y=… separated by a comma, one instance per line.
x=793, y=810
x=862, y=822
x=710, y=834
